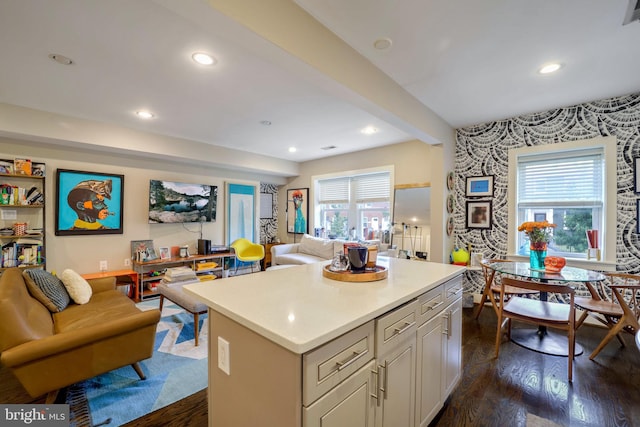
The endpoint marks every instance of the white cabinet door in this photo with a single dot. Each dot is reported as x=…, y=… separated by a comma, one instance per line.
x=452, y=347
x=350, y=404
x=428, y=370
x=397, y=385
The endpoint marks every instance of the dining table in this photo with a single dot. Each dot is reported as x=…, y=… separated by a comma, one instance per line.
x=541, y=339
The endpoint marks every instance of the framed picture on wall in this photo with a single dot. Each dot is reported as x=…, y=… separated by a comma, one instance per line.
x=88, y=203
x=266, y=206
x=241, y=211
x=479, y=186
x=298, y=211
x=479, y=215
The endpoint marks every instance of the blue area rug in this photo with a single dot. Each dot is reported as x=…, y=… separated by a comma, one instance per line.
x=177, y=369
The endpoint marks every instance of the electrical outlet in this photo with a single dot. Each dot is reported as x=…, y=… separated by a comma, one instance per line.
x=103, y=265
x=127, y=262
x=224, y=356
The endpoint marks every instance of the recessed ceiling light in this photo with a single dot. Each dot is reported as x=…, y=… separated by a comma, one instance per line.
x=550, y=68
x=203, y=58
x=383, y=43
x=265, y=122
x=144, y=114
x=369, y=130
x=61, y=59
x=292, y=149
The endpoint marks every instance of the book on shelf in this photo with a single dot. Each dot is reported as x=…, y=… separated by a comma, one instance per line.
x=22, y=166
x=209, y=265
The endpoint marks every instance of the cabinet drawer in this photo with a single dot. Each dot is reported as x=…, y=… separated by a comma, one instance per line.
x=452, y=290
x=391, y=327
x=328, y=365
x=430, y=303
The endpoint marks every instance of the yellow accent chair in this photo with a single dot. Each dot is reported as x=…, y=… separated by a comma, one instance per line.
x=247, y=252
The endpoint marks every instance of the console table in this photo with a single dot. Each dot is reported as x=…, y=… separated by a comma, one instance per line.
x=152, y=272
x=130, y=278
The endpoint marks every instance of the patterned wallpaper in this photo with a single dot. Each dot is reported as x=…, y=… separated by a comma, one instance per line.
x=483, y=150
x=269, y=227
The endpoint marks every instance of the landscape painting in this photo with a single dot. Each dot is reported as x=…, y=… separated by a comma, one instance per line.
x=177, y=202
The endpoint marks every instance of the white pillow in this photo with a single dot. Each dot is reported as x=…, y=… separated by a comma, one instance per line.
x=79, y=289
x=322, y=248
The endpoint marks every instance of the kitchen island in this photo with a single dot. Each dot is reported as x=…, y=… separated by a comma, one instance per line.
x=290, y=347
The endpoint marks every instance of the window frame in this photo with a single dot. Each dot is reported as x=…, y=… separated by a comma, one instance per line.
x=351, y=173
x=609, y=212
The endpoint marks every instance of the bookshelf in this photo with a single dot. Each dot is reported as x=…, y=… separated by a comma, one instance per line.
x=22, y=220
x=150, y=273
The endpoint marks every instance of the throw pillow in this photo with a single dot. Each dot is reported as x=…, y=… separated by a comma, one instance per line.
x=47, y=288
x=78, y=288
x=322, y=248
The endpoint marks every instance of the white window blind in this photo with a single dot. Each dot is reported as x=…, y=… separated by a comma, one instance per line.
x=333, y=191
x=372, y=188
x=571, y=179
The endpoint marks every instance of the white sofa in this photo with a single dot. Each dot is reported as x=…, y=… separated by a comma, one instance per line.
x=310, y=249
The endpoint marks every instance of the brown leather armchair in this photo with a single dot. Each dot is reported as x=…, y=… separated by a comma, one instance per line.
x=47, y=351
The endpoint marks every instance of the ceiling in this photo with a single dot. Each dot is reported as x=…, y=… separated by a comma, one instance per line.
x=452, y=63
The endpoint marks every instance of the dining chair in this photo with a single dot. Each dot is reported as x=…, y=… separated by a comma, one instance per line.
x=556, y=315
x=616, y=305
x=492, y=288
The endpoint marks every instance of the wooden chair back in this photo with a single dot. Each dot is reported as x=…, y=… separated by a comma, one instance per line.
x=626, y=289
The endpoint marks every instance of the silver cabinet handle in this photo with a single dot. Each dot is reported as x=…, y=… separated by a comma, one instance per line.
x=455, y=291
x=446, y=329
x=355, y=356
x=436, y=305
x=450, y=325
x=407, y=325
x=386, y=380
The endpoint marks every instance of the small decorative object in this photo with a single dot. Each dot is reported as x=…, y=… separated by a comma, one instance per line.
x=19, y=228
x=339, y=263
x=451, y=203
x=593, y=250
x=372, y=257
x=450, y=226
x=358, y=258
x=450, y=180
x=460, y=256
x=479, y=186
x=539, y=234
x=554, y=264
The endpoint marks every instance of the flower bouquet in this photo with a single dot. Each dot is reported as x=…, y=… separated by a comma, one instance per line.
x=539, y=234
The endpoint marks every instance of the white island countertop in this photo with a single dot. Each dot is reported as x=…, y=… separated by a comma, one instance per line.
x=300, y=309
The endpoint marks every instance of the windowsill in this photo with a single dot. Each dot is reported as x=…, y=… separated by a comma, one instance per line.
x=591, y=264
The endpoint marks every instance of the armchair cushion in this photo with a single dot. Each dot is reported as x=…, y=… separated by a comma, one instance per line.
x=322, y=248
x=47, y=289
x=78, y=288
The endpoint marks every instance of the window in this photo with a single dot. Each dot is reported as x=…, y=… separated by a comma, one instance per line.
x=569, y=184
x=353, y=207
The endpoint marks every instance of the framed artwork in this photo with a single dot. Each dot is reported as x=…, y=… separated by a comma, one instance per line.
x=636, y=174
x=479, y=214
x=638, y=216
x=298, y=210
x=241, y=211
x=165, y=252
x=479, y=186
x=143, y=250
x=88, y=203
x=266, y=206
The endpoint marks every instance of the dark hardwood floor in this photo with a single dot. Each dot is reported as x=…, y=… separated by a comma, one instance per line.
x=520, y=388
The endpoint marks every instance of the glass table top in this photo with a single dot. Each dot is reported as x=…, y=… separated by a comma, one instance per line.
x=567, y=274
